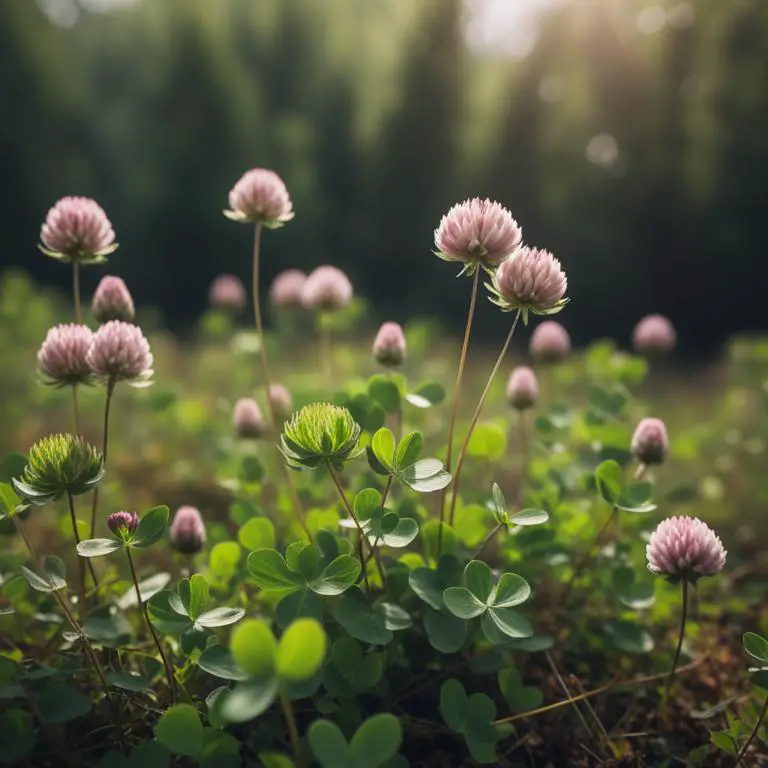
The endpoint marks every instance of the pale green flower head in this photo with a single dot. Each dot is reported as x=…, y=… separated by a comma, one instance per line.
x=56, y=465
x=320, y=433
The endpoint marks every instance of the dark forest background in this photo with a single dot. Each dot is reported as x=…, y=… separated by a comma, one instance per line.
x=631, y=140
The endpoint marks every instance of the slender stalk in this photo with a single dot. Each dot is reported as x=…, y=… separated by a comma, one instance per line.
x=588, y=555
x=457, y=393
x=273, y=420
x=567, y=692
x=64, y=607
x=326, y=353
x=80, y=560
x=75, y=410
x=752, y=735
x=476, y=415
x=104, y=449
x=683, y=621
x=76, y=291
x=351, y=513
x=640, y=471
x=525, y=451
x=293, y=730
x=145, y=613
x=487, y=540
x=597, y=691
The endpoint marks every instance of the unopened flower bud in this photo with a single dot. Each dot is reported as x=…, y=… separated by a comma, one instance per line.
x=327, y=289
x=112, y=300
x=650, y=443
x=123, y=524
x=282, y=403
x=286, y=288
x=550, y=342
x=320, y=433
x=247, y=418
x=522, y=388
x=227, y=292
x=56, y=465
x=187, y=530
x=654, y=333
x=389, y=347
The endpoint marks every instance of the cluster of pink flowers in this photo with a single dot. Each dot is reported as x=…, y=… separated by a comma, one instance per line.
x=123, y=523
x=73, y=354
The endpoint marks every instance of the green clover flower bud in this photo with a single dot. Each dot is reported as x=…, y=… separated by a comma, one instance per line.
x=56, y=465
x=320, y=433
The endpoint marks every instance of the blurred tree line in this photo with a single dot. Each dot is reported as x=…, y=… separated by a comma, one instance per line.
x=640, y=159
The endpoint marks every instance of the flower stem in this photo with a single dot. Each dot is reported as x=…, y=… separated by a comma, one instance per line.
x=456, y=395
x=104, y=448
x=273, y=421
x=487, y=540
x=80, y=560
x=476, y=415
x=65, y=608
x=293, y=729
x=351, y=512
x=525, y=452
x=326, y=353
x=76, y=291
x=597, y=691
x=588, y=555
x=145, y=613
x=752, y=735
x=683, y=621
x=75, y=410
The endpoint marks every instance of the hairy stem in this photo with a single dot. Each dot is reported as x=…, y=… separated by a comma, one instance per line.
x=75, y=410
x=597, y=691
x=525, y=452
x=487, y=540
x=456, y=396
x=588, y=555
x=80, y=560
x=265, y=378
x=76, y=291
x=293, y=729
x=476, y=415
x=150, y=628
x=679, y=648
x=752, y=735
x=104, y=449
x=351, y=512
x=61, y=600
